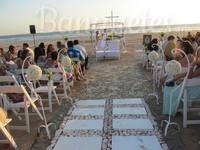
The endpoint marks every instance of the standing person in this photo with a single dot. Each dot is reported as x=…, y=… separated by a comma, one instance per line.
x=39, y=51
x=104, y=34
x=162, y=39
x=65, y=41
x=83, y=51
x=97, y=36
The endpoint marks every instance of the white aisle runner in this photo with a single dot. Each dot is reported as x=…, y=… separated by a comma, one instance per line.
x=119, y=124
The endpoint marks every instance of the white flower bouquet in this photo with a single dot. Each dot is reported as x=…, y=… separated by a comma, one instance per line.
x=173, y=67
x=153, y=56
x=34, y=72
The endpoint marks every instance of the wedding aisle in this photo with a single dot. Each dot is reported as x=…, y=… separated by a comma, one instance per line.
x=112, y=124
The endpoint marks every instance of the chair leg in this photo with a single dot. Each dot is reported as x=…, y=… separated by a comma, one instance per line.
x=50, y=99
x=27, y=117
x=185, y=110
x=54, y=92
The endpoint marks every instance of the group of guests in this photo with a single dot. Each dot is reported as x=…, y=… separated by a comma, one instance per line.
x=45, y=57
x=191, y=46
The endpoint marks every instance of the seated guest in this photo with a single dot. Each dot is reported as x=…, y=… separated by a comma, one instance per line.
x=186, y=46
x=73, y=53
x=177, y=79
x=26, y=47
x=194, y=44
x=2, y=58
x=59, y=46
x=39, y=51
x=3, y=69
x=170, y=45
x=52, y=61
x=151, y=46
x=11, y=54
x=24, y=55
x=83, y=51
x=50, y=49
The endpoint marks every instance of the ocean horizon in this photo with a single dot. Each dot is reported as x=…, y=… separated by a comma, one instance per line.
x=84, y=33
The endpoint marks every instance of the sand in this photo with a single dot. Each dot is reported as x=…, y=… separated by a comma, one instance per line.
x=124, y=78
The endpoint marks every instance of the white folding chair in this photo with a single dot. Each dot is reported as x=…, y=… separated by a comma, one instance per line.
x=49, y=89
x=59, y=76
x=6, y=133
x=25, y=104
x=195, y=82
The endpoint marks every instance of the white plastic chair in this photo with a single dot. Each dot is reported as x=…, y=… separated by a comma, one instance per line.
x=27, y=102
x=6, y=133
x=62, y=80
x=190, y=83
x=49, y=89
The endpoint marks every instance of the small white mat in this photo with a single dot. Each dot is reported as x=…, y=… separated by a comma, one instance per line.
x=91, y=102
x=88, y=111
x=127, y=101
x=132, y=124
x=129, y=110
x=84, y=124
x=79, y=143
x=135, y=143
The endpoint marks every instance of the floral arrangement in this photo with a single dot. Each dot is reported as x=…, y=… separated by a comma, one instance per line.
x=3, y=115
x=66, y=61
x=153, y=56
x=49, y=74
x=34, y=72
x=173, y=67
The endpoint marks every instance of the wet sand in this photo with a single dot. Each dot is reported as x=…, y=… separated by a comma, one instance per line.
x=124, y=78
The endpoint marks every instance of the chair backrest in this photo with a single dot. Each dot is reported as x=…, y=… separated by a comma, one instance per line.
x=20, y=89
x=192, y=82
x=9, y=79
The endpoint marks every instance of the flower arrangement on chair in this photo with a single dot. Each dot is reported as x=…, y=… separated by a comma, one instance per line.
x=49, y=74
x=34, y=72
x=153, y=57
x=173, y=67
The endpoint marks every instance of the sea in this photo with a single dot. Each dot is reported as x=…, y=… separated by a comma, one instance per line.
x=87, y=33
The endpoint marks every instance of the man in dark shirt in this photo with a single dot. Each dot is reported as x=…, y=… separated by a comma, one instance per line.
x=39, y=51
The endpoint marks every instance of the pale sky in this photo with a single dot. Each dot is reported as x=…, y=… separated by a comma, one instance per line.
x=65, y=15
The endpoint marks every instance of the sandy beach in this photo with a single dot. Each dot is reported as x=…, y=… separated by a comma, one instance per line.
x=124, y=78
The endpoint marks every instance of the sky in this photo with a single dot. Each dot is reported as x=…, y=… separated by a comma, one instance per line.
x=67, y=15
